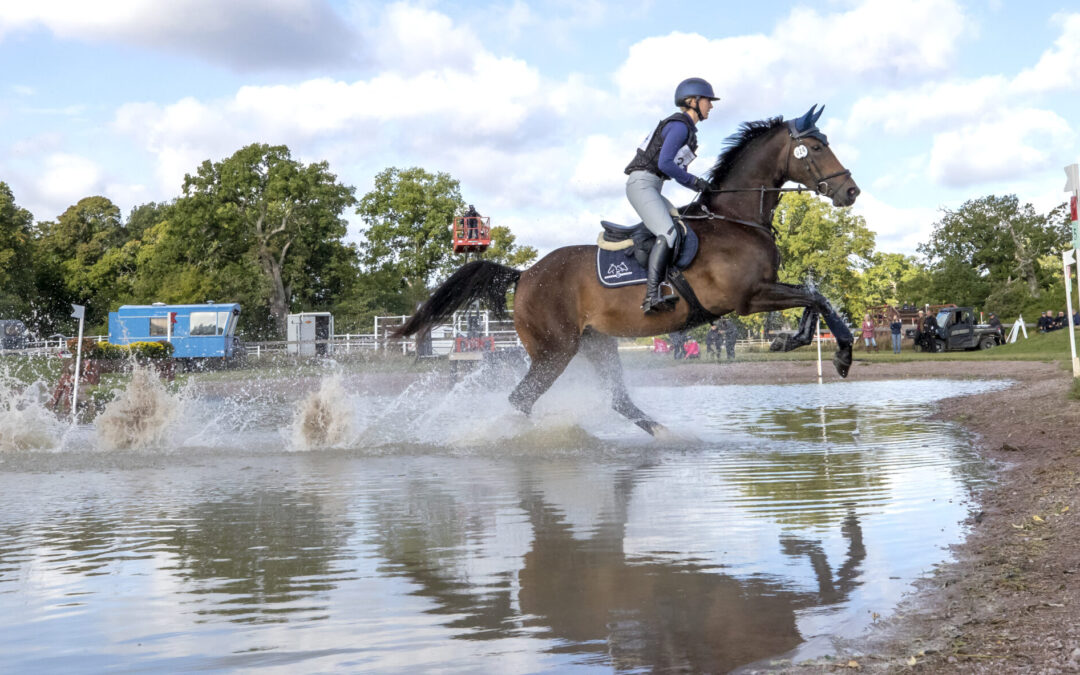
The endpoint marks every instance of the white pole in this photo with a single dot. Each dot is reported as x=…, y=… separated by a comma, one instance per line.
x=80, y=313
x=819, y=350
x=1067, y=259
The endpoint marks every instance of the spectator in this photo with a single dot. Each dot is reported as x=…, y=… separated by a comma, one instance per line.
x=1061, y=321
x=692, y=350
x=1076, y=319
x=868, y=333
x=712, y=339
x=927, y=331
x=896, y=328
x=729, y=332
x=1043, y=323
x=995, y=323
x=678, y=344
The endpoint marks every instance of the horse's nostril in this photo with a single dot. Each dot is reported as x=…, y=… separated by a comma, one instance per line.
x=853, y=192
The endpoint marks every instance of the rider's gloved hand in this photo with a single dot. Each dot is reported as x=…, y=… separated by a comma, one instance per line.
x=701, y=185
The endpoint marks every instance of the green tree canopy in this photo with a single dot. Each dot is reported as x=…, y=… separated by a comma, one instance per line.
x=828, y=246
x=16, y=246
x=258, y=227
x=86, y=256
x=409, y=215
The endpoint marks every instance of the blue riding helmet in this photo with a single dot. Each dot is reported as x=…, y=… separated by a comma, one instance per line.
x=694, y=86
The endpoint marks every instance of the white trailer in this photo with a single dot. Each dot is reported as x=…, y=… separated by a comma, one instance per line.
x=310, y=333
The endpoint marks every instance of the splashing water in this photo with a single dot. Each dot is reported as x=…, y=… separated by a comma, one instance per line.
x=140, y=415
x=25, y=423
x=324, y=417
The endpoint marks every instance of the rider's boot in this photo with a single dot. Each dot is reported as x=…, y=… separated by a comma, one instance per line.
x=659, y=258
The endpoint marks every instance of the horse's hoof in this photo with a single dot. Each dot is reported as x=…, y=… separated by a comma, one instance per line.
x=654, y=428
x=842, y=361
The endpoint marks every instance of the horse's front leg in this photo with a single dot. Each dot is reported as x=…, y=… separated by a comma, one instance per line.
x=802, y=337
x=776, y=296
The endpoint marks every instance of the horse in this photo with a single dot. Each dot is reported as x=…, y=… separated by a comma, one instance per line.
x=560, y=307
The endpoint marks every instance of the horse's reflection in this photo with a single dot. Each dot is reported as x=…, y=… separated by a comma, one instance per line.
x=651, y=612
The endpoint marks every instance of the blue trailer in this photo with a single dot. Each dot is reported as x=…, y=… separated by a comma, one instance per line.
x=195, y=331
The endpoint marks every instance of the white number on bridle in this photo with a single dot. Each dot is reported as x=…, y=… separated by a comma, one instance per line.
x=800, y=151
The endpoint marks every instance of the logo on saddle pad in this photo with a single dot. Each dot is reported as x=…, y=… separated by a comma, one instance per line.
x=618, y=271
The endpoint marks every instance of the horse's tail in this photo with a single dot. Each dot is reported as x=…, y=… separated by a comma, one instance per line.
x=477, y=280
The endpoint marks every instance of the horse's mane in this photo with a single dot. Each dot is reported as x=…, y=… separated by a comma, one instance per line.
x=736, y=144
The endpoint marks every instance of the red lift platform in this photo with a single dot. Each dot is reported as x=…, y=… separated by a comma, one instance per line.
x=472, y=234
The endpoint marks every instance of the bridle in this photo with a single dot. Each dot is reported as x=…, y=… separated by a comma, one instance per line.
x=820, y=181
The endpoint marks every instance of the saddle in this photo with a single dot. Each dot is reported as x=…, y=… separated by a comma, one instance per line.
x=623, y=251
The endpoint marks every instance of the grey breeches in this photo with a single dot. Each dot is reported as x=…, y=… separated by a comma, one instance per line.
x=643, y=191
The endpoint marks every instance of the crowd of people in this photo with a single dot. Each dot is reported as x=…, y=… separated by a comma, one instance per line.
x=1049, y=322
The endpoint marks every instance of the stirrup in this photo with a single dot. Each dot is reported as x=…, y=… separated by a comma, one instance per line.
x=661, y=303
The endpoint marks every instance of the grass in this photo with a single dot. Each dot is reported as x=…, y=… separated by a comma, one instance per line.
x=1046, y=347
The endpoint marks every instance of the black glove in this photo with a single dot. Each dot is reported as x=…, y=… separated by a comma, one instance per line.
x=701, y=185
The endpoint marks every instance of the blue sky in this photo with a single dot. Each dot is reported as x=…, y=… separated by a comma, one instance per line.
x=536, y=106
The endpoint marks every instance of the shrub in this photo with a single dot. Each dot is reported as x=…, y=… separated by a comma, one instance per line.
x=106, y=351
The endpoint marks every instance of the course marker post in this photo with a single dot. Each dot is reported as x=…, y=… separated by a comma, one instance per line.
x=818, y=350
x=78, y=312
x=1068, y=259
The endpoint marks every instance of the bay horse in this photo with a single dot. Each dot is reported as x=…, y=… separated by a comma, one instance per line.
x=560, y=307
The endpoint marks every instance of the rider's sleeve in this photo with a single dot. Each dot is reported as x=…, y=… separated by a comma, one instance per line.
x=674, y=134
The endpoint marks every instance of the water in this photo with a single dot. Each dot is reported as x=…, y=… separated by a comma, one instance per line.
x=327, y=525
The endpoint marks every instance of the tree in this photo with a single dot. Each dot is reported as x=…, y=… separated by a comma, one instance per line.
x=259, y=211
x=888, y=278
x=826, y=246
x=409, y=214
x=16, y=271
x=86, y=257
x=998, y=240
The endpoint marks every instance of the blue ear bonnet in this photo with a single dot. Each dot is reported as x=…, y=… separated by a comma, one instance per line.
x=806, y=126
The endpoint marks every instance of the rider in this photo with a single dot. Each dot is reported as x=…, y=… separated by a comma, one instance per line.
x=666, y=153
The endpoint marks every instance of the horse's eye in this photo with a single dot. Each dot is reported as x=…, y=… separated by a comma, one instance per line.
x=816, y=148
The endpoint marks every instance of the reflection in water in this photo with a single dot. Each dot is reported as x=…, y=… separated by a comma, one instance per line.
x=661, y=615
x=267, y=553
x=796, y=524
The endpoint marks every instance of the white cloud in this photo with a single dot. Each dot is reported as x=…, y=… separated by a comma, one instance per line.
x=898, y=229
x=808, y=54
x=242, y=34
x=1059, y=67
x=1008, y=147
x=928, y=106
x=65, y=179
x=599, y=170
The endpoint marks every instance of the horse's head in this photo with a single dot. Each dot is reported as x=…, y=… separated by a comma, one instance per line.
x=811, y=162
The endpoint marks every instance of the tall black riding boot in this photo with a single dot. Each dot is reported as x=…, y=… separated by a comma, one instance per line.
x=659, y=258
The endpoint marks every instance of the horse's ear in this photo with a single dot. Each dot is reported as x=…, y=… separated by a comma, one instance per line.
x=814, y=119
x=807, y=120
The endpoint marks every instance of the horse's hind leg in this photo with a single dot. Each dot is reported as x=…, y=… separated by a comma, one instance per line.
x=603, y=353
x=802, y=337
x=546, y=366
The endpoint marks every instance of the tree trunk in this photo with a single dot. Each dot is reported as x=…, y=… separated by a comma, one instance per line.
x=1024, y=262
x=279, y=305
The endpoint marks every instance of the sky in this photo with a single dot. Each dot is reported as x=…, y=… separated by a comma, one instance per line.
x=536, y=107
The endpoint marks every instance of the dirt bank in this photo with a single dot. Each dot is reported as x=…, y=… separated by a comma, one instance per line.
x=1009, y=603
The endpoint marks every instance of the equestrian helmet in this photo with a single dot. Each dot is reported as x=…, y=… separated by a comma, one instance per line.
x=694, y=86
